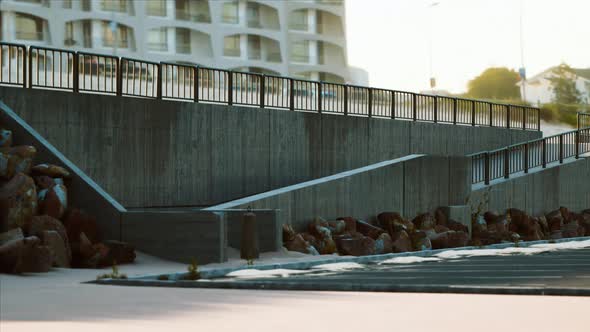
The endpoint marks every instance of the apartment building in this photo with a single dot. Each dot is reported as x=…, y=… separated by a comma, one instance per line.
x=299, y=38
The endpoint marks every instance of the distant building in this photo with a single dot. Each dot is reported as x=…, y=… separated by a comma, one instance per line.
x=299, y=38
x=540, y=91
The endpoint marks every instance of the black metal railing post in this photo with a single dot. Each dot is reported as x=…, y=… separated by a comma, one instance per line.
x=319, y=97
x=486, y=171
x=544, y=152
x=346, y=99
x=577, y=142
x=491, y=107
x=414, y=107
x=292, y=94
x=119, y=78
x=561, y=149
x=473, y=113
x=393, y=104
x=230, y=88
x=196, y=84
x=538, y=119
x=30, y=62
x=508, y=116
x=370, y=106
x=524, y=118
x=75, y=72
x=526, y=158
x=435, y=109
x=454, y=111
x=507, y=163
x=159, y=82
x=262, y=88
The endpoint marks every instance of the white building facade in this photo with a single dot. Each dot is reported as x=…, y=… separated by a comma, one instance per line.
x=298, y=38
x=538, y=89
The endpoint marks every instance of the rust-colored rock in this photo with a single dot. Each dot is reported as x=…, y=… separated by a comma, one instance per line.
x=34, y=259
x=300, y=245
x=458, y=239
x=53, y=201
x=50, y=170
x=440, y=217
x=424, y=221
x=39, y=224
x=14, y=160
x=420, y=241
x=12, y=250
x=441, y=229
x=75, y=227
x=18, y=202
x=457, y=226
x=118, y=253
x=62, y=255
x=350, y=223
x=401, y=242
x=383, y=244
x=77, y=221
x=369, y=230
x=490, y=216
x=357, y=246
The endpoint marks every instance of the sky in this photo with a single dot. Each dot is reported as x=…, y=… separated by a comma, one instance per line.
x=390, y=39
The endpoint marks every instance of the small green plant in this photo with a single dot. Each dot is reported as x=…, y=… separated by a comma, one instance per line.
x=163, y=277
x=113, y=275
x=250, y=262
x=193, y=271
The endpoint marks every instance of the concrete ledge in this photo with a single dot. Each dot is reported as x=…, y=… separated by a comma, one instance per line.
x=178, y=235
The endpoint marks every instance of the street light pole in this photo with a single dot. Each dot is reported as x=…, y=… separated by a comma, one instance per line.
x=522, y=70
x=430, y=46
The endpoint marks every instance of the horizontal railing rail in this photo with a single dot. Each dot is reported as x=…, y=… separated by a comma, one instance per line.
x=520, y=158
x=50, y=68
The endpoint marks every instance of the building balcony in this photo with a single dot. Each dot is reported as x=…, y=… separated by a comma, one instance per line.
x=200, y=17
x=29, y=36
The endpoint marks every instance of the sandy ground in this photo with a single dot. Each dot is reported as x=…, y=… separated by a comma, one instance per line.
x=58, y=301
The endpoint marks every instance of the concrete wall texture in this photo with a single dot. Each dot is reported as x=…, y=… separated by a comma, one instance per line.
x=148, y=153
x=408, y=185
x=539, y=192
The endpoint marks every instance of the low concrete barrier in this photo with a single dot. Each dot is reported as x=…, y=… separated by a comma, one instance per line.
x=408, y=185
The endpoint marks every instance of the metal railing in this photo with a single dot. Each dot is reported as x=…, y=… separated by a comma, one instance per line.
x=48, y=68
x=501, y=163
x=583, y=120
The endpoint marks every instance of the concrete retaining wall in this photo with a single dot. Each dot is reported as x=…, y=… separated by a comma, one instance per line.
x=178, y=236
x=409, y=185
x=539, y=192
x=149, y=153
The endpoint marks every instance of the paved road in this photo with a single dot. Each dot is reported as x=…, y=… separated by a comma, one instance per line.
x=556, y=273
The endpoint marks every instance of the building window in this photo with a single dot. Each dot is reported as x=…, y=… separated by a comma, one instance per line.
x=67, y=4
x=231, y=45
x=254, y=51
x=119, y=6
x=28, y=27
x=298, y=20
x=193, y=10
x=158, y=40
x=183, y=41
x=36, y=2
x=230, y=13
x=253, y=15
x=300, y=51
x=119, y=35
x=69, y=34
x=156, y=7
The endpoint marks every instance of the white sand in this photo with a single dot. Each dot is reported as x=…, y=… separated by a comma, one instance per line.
x=409, y=260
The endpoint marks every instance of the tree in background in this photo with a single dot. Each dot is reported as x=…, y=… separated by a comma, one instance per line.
x=563, y=84
x=495, y=83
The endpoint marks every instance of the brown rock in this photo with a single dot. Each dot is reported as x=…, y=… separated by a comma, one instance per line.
x=34, y=259
x=420, y=241
x=11, y=252
x=5, y=138
x=458, y=239
x=350, y=223
x=440, y=240
x=74, y=225
x=570, y=229
x=490, y=216
x=44, y=182
x=401, y=242
x=300, y=245
x=383, y=244
x=18, y=202
x=424, y=221
x=13, y=234
x=357, y=246
x=565, y=213
x=312, y=240
x=62, y=255
x=50, y=170
x=53, y=201
x=368, y=230
x=440, y=217
x=392, y=222
x=337, y=226
x=328, y=246
x=14, y=160
x=457, y=226
x=555, y=220
x=39, y=224
x=441, y=229
x=118, y=253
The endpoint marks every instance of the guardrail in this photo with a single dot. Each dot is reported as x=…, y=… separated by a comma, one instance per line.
x=583, y=120
x=501, y=163
x=50, y=68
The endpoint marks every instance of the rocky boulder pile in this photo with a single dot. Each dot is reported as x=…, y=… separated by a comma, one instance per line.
x=38, y=229
x=516, y=225
x=391, y=233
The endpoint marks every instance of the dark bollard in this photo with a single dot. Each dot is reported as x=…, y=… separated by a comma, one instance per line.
x=249, y=243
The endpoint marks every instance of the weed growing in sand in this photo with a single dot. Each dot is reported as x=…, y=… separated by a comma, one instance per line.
x=113, y=275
